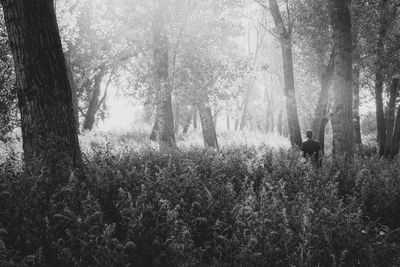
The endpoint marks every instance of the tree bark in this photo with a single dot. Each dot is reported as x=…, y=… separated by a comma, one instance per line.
x=189, y=119
x=287, y=59
x=280, y=123
x=93, y=107
x=50, y=139
x=394, y=88
x=356, y=103
x=342, y=122
x=166, y=134
x=320, y=115
x=207, y=122
x=154, y=129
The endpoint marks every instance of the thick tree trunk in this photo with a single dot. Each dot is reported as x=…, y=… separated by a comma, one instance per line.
x=166, y=134
x=288, y=73
x=50, y=139
x=320, y=115
x=93, y=107
x=207, y=123
x=391, y=117
x=342, y=123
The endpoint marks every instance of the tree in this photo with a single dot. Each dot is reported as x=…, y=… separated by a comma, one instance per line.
x=50, y=139
x=166, y=134
x=342, y=122
x=284, y=33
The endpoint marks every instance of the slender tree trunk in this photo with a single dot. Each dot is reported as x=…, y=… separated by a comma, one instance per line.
x=280, y=122
x=207, y=122
x=391, y=117
x=246, y=100
x=154, y=130
x=228, y=123
x=342, y=123
x=356, y=104
x=396, y=135
x=50, y=139
x=288, y=73
x=166, y=134
x=176, y=117
x=379, y=80
x=93, y=107
x=195, y=120
x=189, y=119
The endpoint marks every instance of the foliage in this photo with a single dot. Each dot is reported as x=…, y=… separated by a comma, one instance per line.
x=252, y=206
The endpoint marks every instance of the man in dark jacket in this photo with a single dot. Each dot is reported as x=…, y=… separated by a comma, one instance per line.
x=311, y=149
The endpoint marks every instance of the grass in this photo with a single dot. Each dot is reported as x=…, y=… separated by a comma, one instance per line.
x=254, y=203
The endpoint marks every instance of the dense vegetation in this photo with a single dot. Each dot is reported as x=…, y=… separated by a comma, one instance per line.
x=242, y=206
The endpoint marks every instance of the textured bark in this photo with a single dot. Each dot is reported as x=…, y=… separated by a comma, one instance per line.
x=394, y=89
x=93, y=107
x=207, y=122
x=166, y=134
x=321, y=132
x=50, y=139
x=74, y=90
x=287, y=59
x=342, y=122
x=320, y=115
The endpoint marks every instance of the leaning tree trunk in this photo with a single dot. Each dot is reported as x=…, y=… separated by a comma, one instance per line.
x=320, y=115
x=391, y=117
x=93, y=107
x=166, y=134
x=207, y=122
x=288, y=73
x=342, y=122
x=50, y=139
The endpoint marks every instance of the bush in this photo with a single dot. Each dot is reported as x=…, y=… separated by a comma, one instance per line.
x=244, y=206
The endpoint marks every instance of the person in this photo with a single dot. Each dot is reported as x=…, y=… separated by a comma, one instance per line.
x=311, y=149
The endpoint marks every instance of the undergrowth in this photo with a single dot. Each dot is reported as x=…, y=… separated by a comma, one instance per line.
x=243, y=206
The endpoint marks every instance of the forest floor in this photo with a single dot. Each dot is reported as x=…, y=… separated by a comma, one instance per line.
x=253, y=203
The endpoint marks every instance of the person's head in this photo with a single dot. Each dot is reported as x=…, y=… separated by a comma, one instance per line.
x=309, y=134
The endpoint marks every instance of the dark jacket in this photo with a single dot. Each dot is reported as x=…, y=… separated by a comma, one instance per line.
x=311, y=149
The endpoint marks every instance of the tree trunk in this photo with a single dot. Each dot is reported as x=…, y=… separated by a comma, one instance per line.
x=396, y=135
x=280, y=123
x=321, y=132
x=342, y=122
x=391, y=117
x=189, y=119
x=320, y=115
x=356, y=86
x=74, y=89
x=245, y=104
x=356, y=104
x=195, y=119
x=228, y=123
x=287, y=59
x=154, y=130
x=93, y=107
x=166, y=134
x=207, y=122
x=379, y=80
x=177, y=116
x=50, y=139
